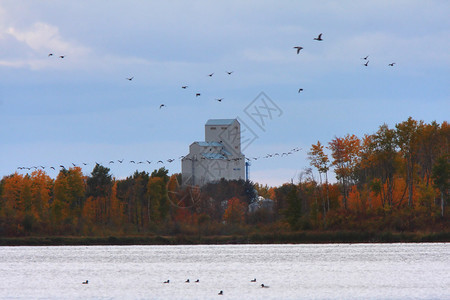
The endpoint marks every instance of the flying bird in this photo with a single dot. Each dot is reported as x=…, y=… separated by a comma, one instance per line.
x=184, y=87
x=298, y=49
x=61, y=56
x=229, y=73
x=50, y=54
x=161, y=106
x=318, y=38
x=197, y=95
x=120, y=161
x=366, y=64
x=160, y=162
x=365, y=58
x=132, y=161
x=149, y=162
x=130, y=78
x=210, y=75
x=392, y=64
x=300, y=90
x=52, y=168
x=220, y=99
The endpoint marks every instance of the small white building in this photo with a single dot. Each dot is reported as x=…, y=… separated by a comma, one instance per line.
x=219, y=156
x=261, y=203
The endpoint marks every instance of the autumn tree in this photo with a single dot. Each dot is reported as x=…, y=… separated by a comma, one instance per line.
x=406, y=138
x=293, y=212
x=116, y=210
x=441, y=178
x=235, y=211
x=41, y=190
x=99, y=186
x=384, y=149
x=180, y=200
x=429, y=141
x=320, y=161
x=11, y=213
x=345, y=153
x=132, y=192
x=263, y=190
x=69, y=194
x=158, y=205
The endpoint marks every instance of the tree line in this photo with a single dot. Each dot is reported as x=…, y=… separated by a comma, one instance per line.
x=394, y=179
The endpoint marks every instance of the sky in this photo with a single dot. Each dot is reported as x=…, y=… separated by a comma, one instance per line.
x=82, y=108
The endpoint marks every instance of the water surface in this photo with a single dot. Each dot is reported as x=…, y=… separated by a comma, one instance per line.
x=328, y=271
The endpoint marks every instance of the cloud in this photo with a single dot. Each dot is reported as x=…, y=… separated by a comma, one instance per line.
x=40, y=37
x=32, y=45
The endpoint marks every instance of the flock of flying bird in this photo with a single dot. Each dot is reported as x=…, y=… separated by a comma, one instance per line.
x=186, y=86
x=319, y=38
x=160, y=162
x=198, y=94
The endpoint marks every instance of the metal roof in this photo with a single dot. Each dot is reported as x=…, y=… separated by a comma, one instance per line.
x=218, y=122
x=213, y=155
x=209, y=144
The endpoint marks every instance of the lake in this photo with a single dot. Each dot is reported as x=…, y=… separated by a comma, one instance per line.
x=307, y=271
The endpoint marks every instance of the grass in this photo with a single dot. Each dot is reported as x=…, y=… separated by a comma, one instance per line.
x=299, y=237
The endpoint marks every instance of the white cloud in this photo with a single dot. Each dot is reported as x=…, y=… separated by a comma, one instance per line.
x=40, y=37
x=32, y=45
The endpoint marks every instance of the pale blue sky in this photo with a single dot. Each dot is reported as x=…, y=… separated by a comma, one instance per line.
x=82, y=109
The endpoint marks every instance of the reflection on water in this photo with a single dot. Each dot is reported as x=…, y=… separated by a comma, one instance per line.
x=343, y=271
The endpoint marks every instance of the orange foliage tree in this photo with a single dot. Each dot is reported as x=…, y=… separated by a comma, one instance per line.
x=235, y=212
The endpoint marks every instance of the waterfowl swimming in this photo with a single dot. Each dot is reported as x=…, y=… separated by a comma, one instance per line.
x=220, y=293
x=198, y=280
x=167, y=281
x=264, y=286
x=187, y=281
x=85, y=282
x=253, y=280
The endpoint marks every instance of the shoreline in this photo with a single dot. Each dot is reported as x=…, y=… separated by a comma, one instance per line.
x=303, y=237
